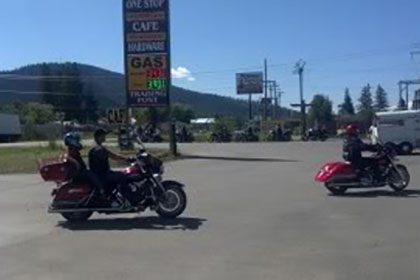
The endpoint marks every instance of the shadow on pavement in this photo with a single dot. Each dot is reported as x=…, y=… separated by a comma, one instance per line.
x=140, y=223
x=237, y=158
x=413, y=154
x=383, y=193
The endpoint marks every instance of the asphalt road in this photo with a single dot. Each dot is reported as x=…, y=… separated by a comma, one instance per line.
x=254, y=213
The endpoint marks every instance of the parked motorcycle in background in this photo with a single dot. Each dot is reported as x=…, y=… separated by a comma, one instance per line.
x=285, y=136
x=316, y=135
x=184, y=136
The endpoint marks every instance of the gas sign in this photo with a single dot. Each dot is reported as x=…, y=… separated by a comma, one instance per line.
x=147, y=52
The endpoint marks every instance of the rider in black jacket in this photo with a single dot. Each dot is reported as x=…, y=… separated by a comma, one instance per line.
x=353, y=147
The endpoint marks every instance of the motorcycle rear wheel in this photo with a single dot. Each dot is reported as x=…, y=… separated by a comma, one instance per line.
x=397, y=183
x=336, y=190
x=77, y=217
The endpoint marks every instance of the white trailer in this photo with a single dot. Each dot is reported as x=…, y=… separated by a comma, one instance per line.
x=400, y=129
x=10, y=129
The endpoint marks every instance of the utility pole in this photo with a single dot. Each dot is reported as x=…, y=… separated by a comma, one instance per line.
x=279, y=100
x=275, y=100
x=265, y=89
x=299, y=70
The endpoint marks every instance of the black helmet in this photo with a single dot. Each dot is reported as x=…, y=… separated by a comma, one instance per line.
x=73, y=141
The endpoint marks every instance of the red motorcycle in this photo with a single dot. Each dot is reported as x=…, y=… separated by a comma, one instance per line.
x=338, y=177
x=76, y=201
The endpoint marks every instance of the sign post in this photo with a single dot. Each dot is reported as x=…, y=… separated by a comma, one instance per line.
x=147, y=54
x=249, y=83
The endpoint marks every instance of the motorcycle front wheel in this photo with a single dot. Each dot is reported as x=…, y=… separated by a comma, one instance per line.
x=174, y=203
x=399, y=180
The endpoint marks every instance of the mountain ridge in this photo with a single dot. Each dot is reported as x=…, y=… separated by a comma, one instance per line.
x=108, y=87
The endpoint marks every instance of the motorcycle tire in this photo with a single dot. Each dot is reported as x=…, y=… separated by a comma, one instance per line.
x=77, y=217
x=335, y=190
x=175, y=203
x=399, y=186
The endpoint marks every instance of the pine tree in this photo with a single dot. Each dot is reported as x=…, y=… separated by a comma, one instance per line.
x=347, y=108
x=366, y=102
x=381, y=99
x=365, y=108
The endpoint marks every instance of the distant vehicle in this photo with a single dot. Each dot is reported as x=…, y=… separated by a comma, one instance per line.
x=401, y=130
x=10, y=129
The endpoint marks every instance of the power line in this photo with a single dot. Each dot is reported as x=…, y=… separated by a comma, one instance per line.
x=39, y=93
x=34, y=77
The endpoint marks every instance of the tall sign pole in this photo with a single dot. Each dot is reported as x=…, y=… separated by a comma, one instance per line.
x=147, y=50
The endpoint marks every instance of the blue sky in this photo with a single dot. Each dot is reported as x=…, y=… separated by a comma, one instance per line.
x=346, y=43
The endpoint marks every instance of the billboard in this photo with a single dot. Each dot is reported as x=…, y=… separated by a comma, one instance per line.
x=249, y=83
x=147, y=52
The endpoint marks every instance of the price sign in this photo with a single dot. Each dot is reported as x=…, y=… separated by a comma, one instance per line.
x=147, y=48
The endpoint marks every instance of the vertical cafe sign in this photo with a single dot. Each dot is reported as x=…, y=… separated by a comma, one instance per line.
x=147, y=52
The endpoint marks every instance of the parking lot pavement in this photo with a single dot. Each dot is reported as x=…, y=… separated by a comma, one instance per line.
x=254, y=213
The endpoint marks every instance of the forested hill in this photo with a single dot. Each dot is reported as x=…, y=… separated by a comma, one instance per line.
x=108, y=89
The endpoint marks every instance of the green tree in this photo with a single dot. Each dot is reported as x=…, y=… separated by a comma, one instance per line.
x=347, y=107
x=320, y=112
x=365, y=109
x=32, y=112
x=182, y=113
x=381, y=99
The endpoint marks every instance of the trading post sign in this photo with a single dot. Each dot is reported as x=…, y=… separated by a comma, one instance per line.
x=248, y=83
x=147, y=52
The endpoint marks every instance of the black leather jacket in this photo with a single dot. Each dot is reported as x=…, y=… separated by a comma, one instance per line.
x=353, y=148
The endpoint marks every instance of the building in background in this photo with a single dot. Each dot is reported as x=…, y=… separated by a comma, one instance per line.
x=10, y=129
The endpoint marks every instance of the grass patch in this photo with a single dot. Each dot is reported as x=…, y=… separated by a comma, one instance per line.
x=14, y=161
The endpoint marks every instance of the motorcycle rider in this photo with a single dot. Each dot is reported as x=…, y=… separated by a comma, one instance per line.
x=100, y=166
x=353, y=147
x=73, y=143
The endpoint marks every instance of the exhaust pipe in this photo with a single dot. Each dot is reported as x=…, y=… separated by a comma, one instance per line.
x=81, y=210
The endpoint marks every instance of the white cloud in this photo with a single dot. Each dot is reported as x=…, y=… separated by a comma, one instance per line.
x=182, y=73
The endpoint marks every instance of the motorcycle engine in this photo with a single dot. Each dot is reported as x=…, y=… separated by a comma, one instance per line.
x=366, y=179
x=137, y=192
